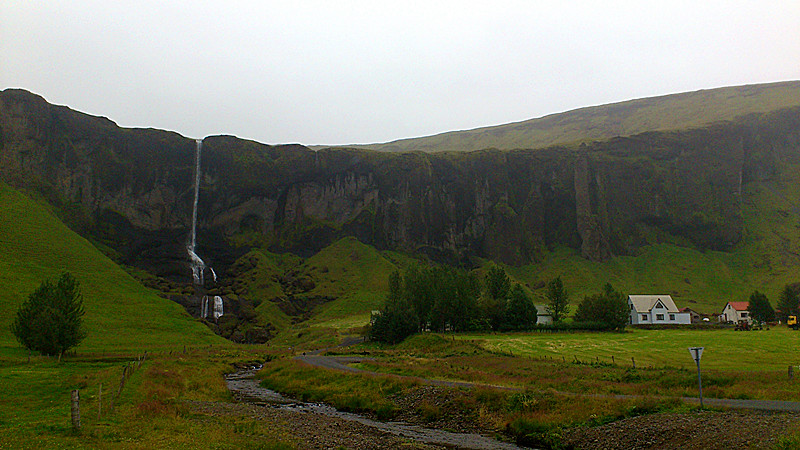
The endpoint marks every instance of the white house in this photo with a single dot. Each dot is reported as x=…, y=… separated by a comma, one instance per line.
x=656, y=309
x=735, y=311
x=543, y=316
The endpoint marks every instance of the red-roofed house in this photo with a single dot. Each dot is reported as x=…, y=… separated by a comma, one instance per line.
x=735, y=311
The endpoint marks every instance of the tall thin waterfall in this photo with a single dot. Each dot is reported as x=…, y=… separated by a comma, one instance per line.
x=197, y=264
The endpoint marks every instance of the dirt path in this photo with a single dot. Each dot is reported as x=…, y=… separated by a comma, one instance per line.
x=340, y=363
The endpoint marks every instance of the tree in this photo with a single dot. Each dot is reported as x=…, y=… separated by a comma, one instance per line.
x=521, y=314
x=609, y=307
x=558, y=301
x=788, y=302
x=760, y=309
x=495, y=297
x=497, y=283
x=50, y=321
x=396, y=321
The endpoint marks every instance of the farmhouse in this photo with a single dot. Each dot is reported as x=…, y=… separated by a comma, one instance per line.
x=656, y=309
x=735, y=311
x=543, y=316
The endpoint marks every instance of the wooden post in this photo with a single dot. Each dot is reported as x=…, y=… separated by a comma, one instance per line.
x=76, y=411
x=99, y=400
x=563, y=359
x=791, y=372
x=633, y=361
x=612, y=360
x=121, y=385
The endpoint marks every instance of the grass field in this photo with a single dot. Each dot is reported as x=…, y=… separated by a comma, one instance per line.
x=726, y=350
x=153, y=411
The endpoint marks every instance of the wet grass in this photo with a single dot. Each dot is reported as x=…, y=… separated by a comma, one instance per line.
x=153, y=410
x=526, y=416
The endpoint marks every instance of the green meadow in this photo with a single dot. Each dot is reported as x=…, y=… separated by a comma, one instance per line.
x=770, y=350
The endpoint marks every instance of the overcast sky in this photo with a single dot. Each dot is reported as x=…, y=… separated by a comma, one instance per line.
x=337, y=72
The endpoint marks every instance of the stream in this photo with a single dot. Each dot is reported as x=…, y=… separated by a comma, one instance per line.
x=246, y=388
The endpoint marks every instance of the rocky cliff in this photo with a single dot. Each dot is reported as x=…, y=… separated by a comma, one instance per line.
x=131, y=190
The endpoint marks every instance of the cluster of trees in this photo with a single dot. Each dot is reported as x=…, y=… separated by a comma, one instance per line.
x=788, y=304
x=447, y=299
x=609, y=309
x=50, y=321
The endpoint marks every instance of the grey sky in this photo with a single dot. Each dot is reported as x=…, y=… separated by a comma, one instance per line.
x=336, y=72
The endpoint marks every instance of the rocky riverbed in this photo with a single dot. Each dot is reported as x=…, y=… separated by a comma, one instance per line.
x=318, y=425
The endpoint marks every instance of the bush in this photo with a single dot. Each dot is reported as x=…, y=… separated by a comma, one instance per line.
x=536, y=434
x=51, y=320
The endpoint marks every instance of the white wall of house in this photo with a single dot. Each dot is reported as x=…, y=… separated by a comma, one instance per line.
x=730, y=314
x=542, y=316
x=658, y=315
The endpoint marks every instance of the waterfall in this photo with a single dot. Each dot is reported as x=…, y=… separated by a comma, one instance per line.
x=198, y=149
x=216, y=308
x=197, y=264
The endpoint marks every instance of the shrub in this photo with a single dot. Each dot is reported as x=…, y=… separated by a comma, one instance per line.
x=533, y=433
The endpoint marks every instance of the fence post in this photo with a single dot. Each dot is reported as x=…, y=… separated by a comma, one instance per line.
x=121, y=385
x=76, y=411
x=791, y=372
x=99, y=400
x=633, y=361
x=612, y=360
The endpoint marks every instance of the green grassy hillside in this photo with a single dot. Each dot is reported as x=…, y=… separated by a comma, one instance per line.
x=669, y=112
x=767, y=259
x=121, y=315
x=337, y=287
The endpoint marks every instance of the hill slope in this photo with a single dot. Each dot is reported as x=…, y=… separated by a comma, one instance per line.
x=120, y=313
x=668, y=112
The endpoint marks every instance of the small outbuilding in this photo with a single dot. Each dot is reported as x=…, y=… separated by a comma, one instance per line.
x=695, y=316
x=656, y=309
x=735, y=312
x=543, y=316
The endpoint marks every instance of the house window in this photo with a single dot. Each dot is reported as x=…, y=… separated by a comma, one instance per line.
x=644, y=317
x=672, y=317
x=659, y=317
x=744, y=314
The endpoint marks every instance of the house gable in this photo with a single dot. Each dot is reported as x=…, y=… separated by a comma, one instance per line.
x=655, y=309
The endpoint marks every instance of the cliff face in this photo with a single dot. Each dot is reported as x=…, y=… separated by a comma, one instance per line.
x=131, y=189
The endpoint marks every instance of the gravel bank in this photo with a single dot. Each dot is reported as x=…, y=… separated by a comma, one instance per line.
x=696, y=430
